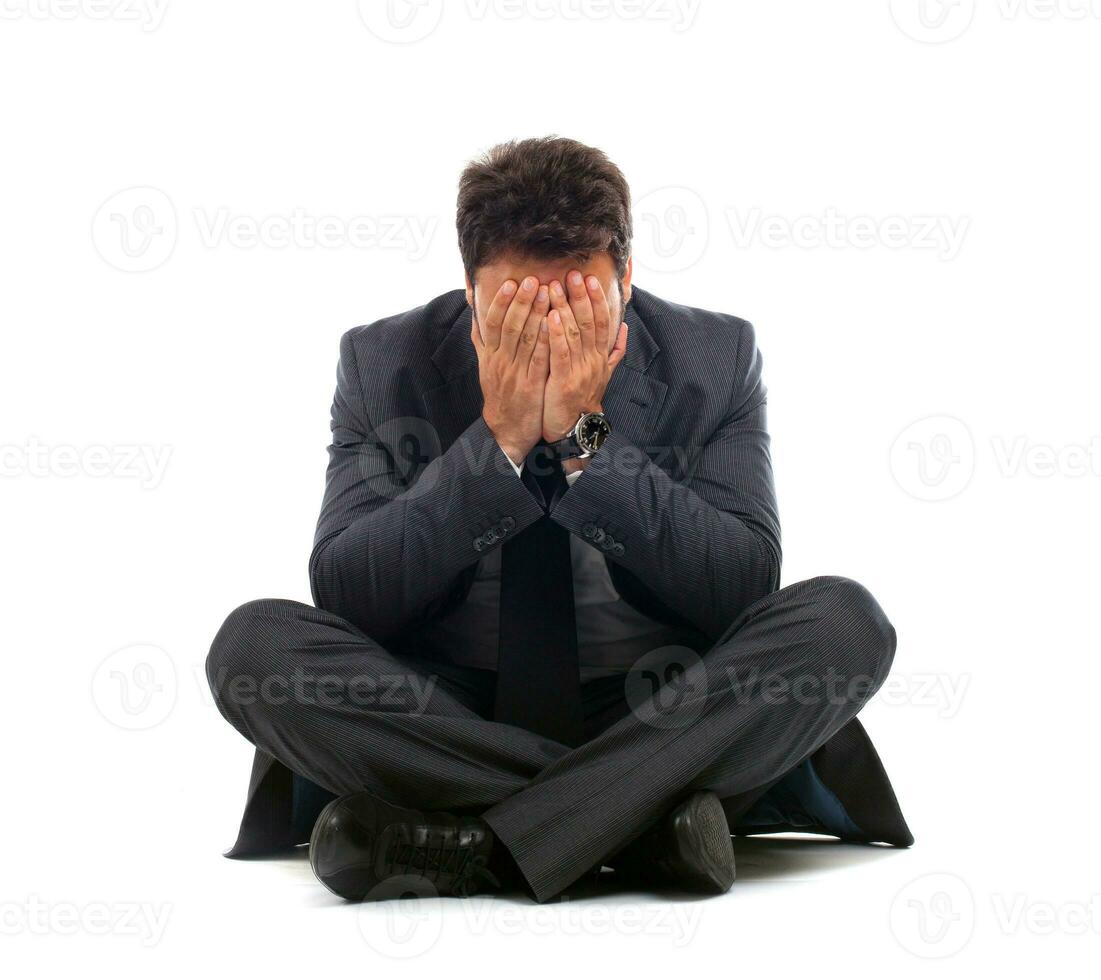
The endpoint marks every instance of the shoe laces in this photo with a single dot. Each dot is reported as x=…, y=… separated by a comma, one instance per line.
x=432, y=862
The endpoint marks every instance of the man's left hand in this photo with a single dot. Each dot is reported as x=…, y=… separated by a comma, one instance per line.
x=581, y=365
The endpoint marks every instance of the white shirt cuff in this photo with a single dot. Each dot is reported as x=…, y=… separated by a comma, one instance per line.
x=515, y=467
x=571, y=478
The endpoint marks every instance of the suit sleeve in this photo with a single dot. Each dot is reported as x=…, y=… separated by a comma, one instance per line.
x=394, y=538
x=706, y=546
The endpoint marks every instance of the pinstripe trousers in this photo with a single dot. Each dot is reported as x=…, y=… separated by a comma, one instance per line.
x=319, y=695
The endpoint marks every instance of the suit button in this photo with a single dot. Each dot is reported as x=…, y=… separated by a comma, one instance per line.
x=588, y=530
x=618, y=549
x=600, y=535
x=608, y=543
x=491, y=535
x=479, y=544
x=507, y=524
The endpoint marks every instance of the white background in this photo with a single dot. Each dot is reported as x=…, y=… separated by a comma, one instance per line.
x=906, y=207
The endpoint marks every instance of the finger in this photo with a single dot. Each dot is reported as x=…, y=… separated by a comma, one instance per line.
x=582, y=308
x=539, y=366
x=619, y=350
x=495, y=315
x=601, y=313
x=517, y=315
x=475, y=333
x=560, y=304
x=560, y=356
x=530, y=337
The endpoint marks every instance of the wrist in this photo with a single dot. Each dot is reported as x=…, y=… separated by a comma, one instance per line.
x=557, y=435
x=512, y=447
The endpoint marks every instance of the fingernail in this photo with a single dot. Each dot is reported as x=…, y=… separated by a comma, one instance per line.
x=542, y=294
x=556, y=288
x=529, y=284
x=575, y=278
x=509, y=286
x=593, y=284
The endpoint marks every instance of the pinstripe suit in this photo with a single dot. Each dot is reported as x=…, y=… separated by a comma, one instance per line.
x=681, y=500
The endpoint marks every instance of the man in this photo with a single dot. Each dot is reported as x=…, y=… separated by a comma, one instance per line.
x=547, y=636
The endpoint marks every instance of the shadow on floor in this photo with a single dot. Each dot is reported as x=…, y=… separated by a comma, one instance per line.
x=783, y=858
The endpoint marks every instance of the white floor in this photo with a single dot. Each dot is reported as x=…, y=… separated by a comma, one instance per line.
x=162, y=904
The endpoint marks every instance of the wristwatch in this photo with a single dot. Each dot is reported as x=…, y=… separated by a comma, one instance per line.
x=586, y=437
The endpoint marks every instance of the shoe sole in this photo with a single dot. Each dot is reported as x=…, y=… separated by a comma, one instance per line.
x=703, y=839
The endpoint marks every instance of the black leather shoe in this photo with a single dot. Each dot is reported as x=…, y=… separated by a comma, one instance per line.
x=690, y=848
x=365, y=848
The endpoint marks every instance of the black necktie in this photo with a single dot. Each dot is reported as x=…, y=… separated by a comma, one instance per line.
x=538, y=678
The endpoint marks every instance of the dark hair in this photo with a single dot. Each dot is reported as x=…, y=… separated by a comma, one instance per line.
x=544, y=198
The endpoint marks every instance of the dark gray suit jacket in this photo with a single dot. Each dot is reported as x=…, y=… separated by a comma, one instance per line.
x=681, y=497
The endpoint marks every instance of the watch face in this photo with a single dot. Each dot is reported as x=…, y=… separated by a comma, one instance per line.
x=592, y=431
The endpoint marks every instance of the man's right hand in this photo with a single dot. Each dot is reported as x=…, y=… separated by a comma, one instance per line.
x=513, y=364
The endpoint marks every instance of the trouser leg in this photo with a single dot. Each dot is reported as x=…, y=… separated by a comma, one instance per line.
x=332, y=705
x=792, y=670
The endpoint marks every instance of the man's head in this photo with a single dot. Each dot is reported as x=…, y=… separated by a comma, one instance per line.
x=541, y=207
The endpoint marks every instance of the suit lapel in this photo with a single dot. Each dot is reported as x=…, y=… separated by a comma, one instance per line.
x=453, y=405
x=632, y=402
x=634, y=399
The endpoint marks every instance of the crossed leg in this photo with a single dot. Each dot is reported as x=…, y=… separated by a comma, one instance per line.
x=334, y=706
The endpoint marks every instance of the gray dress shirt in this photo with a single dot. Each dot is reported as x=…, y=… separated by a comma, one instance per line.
x=611, y=634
